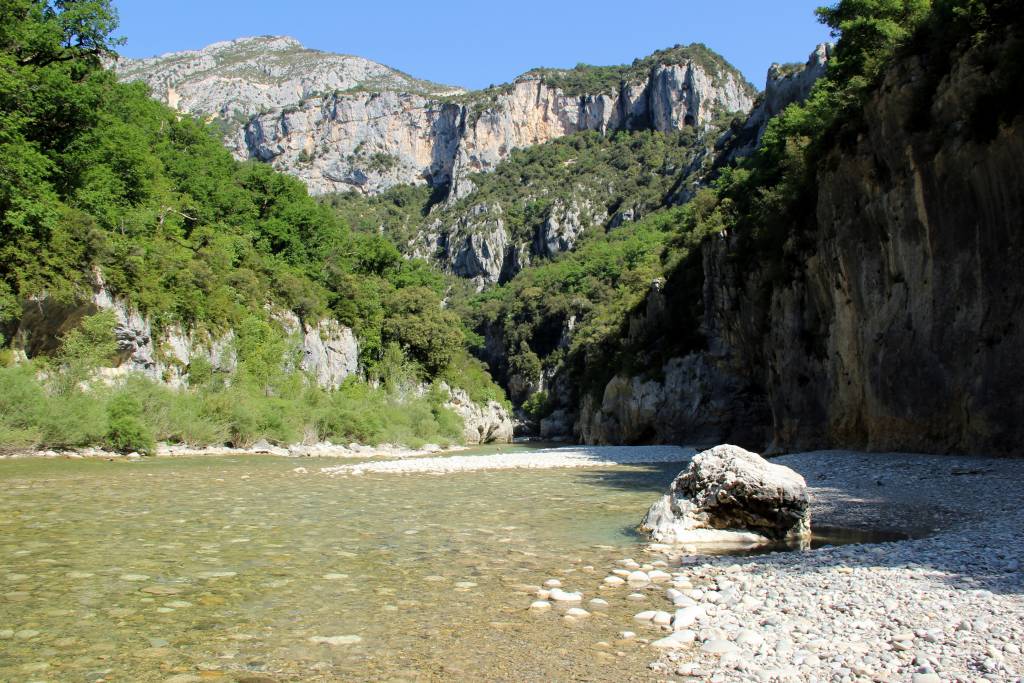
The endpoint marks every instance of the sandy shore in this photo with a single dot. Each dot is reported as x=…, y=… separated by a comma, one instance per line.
x=548, y=458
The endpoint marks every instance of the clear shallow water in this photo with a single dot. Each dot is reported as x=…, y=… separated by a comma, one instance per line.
x=224, y=568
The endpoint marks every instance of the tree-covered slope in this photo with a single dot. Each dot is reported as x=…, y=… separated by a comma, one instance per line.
x=101, y=184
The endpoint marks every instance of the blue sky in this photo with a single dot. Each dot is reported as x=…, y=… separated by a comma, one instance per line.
x=474, y=44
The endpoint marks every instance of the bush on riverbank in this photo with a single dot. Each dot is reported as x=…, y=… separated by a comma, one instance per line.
x=63, y=402
x=135, y=412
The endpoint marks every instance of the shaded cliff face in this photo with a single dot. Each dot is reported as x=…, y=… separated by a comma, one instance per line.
x=900, y=329
x=914, y=294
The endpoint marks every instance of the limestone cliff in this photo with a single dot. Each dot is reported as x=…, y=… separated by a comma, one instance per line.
x=328, y=351
x=786, y=84
x=347, y=124
x=371, y=141
x=900, y=326
x=233, y=80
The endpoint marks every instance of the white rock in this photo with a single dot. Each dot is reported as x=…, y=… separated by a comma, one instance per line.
x=662, y=618
x=685, y=617
x=749, y=638
x=675, y=641
x=613, y=581
x=540, y=605
x=598, y=603
x=552, y=583
x=717, y=646
x=646, y=615
x=559, y=595
x=577, y=612
x=638, y=577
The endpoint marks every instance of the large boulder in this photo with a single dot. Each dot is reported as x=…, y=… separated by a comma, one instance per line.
x=727, y=495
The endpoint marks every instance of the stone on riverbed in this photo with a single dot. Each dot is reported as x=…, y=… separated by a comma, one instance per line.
x=559, y=595
x=676, y=640
x=335, y=640
x=731, y=496
x=639, y=577
x=717, y=646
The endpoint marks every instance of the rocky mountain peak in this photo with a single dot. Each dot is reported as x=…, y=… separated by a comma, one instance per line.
x=236, y=79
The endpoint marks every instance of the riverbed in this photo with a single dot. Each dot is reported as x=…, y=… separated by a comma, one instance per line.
x=221, y=568
x=259, y=569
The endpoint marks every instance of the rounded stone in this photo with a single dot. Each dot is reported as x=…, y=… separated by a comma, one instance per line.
x=639, y=577
x=559, y=595
x=717, y=646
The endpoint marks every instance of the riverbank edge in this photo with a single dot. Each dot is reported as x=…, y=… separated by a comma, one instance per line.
x=319, y=450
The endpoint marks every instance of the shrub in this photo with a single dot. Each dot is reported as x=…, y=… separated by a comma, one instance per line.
x=125, y=428
x=538, y=406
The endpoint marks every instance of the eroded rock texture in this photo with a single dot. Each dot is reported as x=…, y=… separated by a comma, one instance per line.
x=729, y=488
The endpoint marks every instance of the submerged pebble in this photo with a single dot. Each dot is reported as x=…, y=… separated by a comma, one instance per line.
x=336, y=640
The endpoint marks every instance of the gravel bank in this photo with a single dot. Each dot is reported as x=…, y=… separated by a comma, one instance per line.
x=548, y=458
x=949, y=607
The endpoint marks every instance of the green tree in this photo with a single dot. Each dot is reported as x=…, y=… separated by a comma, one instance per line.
x=869, y=31
x=265, y=355
x=428, y=333
x=41, y=32
x=126, y=430
x=85, y=348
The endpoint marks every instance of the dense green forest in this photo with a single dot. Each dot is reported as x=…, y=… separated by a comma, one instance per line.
x=96, y=177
